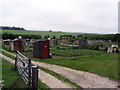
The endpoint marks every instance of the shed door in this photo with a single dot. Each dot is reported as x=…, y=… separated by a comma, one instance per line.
x=12, y=47
x=45, y=50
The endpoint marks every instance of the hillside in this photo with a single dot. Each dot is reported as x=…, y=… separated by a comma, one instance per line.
x=42, y=33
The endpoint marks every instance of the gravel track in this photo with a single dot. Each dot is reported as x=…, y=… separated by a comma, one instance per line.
x=82, y=78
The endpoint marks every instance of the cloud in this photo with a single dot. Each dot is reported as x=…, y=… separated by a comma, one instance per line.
x=65, y=15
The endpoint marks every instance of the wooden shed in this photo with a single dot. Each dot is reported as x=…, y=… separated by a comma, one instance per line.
x=17, y=44
x=41, y=49
x=6, y=43
x=83, y=43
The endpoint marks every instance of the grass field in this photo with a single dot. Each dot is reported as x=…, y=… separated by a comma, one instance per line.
x=42, y=33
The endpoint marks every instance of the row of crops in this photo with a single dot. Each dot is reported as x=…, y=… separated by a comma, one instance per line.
x=60, y=50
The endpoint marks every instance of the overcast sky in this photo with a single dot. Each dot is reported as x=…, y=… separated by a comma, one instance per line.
x=89, y=16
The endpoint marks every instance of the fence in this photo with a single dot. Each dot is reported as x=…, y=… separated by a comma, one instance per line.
x=28, y=71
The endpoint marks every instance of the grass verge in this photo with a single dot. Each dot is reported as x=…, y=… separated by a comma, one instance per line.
x=9, y=75
x=6, y=54
x=40, y=83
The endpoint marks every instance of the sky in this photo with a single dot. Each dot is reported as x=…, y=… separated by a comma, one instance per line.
x=88, y=16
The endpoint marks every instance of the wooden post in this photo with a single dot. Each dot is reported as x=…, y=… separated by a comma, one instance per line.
x=35, y=77
x=29, y=68
x=16, y=61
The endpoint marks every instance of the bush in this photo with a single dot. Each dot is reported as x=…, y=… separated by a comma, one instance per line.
x=75, y=47
x=93, y=47
x=61, y=48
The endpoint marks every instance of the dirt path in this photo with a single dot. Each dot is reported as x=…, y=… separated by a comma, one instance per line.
x=51, y=81
x=84, y=79
x=46, y=78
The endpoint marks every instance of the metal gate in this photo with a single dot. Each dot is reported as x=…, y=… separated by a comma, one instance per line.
x=28, y=71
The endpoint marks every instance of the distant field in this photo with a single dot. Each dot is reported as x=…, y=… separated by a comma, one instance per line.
x=42, y=33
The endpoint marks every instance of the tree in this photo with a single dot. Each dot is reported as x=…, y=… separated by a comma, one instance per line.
x=11, y=28
x=54, y=37
x=50, y=30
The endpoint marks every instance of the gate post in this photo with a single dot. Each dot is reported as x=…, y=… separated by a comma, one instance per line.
x=16, y=61
x=29, y=70
x=35, y=77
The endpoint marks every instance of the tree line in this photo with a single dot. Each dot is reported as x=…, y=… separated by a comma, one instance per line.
x=13, y=36
x=11, y=28
x=113, y=37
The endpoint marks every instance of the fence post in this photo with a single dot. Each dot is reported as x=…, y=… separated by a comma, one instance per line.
x=35, y=77
x=16, y=61
x=29, y=70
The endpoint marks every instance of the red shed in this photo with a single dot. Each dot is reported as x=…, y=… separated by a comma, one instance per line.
x=41, y=49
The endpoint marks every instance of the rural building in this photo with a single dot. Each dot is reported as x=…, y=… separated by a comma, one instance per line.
x=6, y=43
x=17, y=44
x=41, y=49
x=83, y=44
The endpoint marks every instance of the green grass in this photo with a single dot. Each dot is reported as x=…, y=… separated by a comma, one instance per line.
x=6, y=54
x=40, y=83
x=103, y=65
x=66, y=51
x=69, y=51
x=9, y=75
x=42, y=33
x=43, y=86
x=7, y=49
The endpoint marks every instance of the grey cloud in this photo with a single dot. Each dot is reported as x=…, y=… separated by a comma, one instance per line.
x=98, y=17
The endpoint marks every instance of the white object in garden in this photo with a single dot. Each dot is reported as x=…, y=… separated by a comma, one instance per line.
x=115, y=46
x=20, y=37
